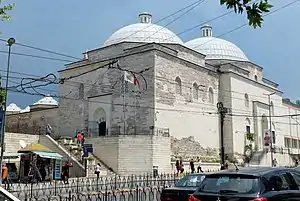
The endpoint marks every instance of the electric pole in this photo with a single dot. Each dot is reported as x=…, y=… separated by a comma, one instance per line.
x=222, y=111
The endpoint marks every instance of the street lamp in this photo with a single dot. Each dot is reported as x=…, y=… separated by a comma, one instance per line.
x=270, y=125
x=10, y=42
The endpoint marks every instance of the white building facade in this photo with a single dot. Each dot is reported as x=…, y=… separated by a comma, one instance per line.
x=179, y=86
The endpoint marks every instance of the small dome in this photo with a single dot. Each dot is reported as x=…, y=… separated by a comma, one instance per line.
x=13, y=108
x=27, y=109
x=144, y=31
x=46, y=101
x=216, y=48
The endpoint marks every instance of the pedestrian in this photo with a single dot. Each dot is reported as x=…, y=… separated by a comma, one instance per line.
x=192, y=166
x=181, y=168
x=97, y=170
x=177, y=167
x=79, y=137
x=65, y=172
x=199, y=169
x=5, y=175
x=296, y=162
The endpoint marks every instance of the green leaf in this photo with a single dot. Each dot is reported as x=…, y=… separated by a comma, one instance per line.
x=254, y=9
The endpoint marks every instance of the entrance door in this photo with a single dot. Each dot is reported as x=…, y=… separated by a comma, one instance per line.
x=102, y=128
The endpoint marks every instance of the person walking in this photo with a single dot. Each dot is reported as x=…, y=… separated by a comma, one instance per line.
x=192, y=166
x=177, y=167
x=199, y=169
x=5, y=176
x=97, y=170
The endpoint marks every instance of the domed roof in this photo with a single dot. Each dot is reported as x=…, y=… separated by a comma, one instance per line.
x=13, y=108
x=46, y=101
x=26, y=109
x=216, y=48
x=144, y=31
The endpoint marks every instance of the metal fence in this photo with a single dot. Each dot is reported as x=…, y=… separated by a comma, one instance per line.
x=88, y=185
x=135, y=194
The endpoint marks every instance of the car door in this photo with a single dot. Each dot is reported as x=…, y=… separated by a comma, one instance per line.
x=281, y=187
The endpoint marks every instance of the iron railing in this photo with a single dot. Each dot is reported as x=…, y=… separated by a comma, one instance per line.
x=134, y=194
x=79, y=185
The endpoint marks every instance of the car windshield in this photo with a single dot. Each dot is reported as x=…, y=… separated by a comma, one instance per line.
x=231, y=183
x=190, y=181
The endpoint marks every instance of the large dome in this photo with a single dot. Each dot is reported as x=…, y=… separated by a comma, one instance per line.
x=144, y=31
x=216, y=48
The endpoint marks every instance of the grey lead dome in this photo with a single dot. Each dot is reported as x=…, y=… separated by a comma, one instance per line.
x=144, y=31
x=215, y=48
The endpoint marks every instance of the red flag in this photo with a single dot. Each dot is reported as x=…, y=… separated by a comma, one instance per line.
x=135, y=81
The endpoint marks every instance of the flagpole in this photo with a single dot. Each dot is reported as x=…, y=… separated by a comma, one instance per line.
x=124, y=107
x=135, y=94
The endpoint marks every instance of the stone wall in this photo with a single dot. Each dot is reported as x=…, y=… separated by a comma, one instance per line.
x=133, y=154
x=12, y=141
x=33, y=122
x=74, y=111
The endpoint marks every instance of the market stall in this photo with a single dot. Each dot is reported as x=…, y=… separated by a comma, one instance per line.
x=39, y=163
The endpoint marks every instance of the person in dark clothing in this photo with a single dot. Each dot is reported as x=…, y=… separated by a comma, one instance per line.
x=177, y=166
x=65, y=172
x=181, y=168
x=296, y=162
x=222, y=167
x=43, y=172
x=192, y=166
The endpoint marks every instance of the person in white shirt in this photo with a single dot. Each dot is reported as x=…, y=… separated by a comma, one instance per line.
x=199, y=169
x=97, y=170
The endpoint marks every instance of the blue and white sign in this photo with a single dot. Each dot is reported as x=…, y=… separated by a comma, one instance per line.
x=57, y=169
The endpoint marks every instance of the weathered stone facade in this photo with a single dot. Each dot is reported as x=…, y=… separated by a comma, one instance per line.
x=33, y=122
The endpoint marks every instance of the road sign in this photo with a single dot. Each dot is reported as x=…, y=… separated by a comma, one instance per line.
x=87, y=145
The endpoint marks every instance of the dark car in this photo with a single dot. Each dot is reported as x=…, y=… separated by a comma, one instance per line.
x=250, y=184
x=183, y=188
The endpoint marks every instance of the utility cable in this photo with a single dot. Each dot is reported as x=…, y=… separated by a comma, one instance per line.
x=43, y=50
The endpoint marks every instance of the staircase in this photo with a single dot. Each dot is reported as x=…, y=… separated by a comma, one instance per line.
x=78, y=170
x=74, y=151
x=257, y=157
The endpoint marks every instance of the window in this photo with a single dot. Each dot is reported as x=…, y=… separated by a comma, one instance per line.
x=248, y=129
x=210, y=95
x=294, y=143
x=195, y=91
x=246, y=100
x=190, y=181
x=279, y=182
x=273, y=137
x=255, y=77
x=287, y=142
x=296, y=176
x=231, y=183
x=178, y=86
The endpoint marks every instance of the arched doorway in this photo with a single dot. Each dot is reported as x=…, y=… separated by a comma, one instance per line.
x=100, y=119
x=264, y=127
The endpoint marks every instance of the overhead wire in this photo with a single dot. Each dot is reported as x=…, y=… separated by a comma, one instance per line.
x=36, y=56
x=43, y=50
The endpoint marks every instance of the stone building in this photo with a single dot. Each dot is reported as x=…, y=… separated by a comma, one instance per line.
x=34, y=118
x=177, y=90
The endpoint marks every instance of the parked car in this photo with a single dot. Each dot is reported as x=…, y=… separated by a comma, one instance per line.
x=250, y=184
x=183, y=188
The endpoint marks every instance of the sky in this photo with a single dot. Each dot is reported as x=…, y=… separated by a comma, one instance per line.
x=71, y=27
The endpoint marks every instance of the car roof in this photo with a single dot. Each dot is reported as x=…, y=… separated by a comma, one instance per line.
x=257, y=171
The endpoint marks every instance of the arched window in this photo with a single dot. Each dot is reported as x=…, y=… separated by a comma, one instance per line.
x=178, y=87
x=195, y=91
x=210, y=95
x=246, y=100
x=255, y=77
x=272, y=108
